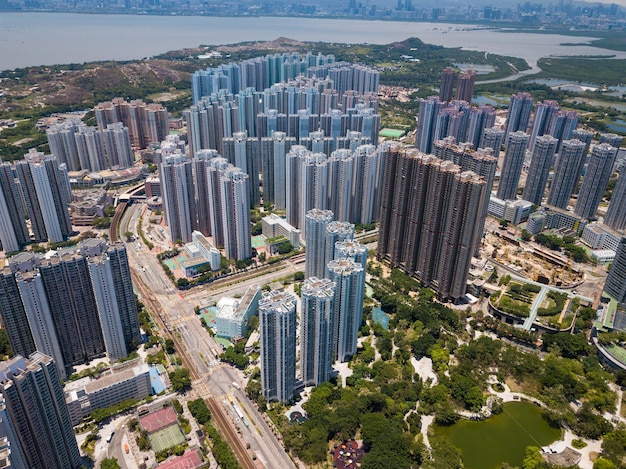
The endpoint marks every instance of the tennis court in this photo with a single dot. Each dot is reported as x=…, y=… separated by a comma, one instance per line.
x=258, y=242
x=189, y=460
x=166, y=438
x=162, y=418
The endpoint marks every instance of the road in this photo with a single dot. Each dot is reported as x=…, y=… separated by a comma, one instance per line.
x=178, y=316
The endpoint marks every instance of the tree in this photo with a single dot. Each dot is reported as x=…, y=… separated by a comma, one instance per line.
x=169, y=346
x=444, y=455
x=445, y=414
x=533, y=458
x=298, y=276
x=474, y=399
x=5, y=347
x=602, y=463
x=614, y=445
x=570, y=345
x=109, y=463
x=128, y=235
x=284, y=247
x=441, y=357
x=235, y=356
x=526, y=235
x=199, y=410
x=180, y=379
x=494, y=276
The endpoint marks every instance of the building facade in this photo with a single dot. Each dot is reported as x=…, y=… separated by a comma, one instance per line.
x=277, y=322
x=616, y=213
x=349, y=279
x=316, y=330
x=41, y=434
x=13, y=230
x=544, y=149
x=128, y=380
x=567, y=173
x=615, y=284
x=315, y=239
x=514, y=155
x=596, y=178
x=47, y=195
x=177, y=191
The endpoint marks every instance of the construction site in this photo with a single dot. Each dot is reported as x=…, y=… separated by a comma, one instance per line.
x=530, y=260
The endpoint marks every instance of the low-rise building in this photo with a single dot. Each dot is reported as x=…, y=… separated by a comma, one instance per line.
x=152, y=187
x=87, y=205
x=201, y=253
x=233, y=314
x=513, y=211
x=603, y=256
x=128, y=380
x=549, y=217
x=599, y=236
x=273, y=226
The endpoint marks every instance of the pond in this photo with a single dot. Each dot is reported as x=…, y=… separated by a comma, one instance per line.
x=618, y=125
x=502, y=438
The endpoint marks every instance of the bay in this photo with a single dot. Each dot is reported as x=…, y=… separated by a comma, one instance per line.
x=33, y=39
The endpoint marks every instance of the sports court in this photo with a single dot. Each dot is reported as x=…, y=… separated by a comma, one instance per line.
x=166, y=438
x=258, y=242
x=189, y=460
x=158, y=420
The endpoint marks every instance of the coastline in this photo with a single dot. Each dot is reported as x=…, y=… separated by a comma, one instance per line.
x=32, y=39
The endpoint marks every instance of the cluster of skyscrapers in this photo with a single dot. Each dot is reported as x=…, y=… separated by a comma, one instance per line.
x=82, y=147
x=282, y=93
x=73, y=305
x=210, y=195
x=552, y=140
x=465, y=85
x=430, y=213
x=37, y=188
x=146, y=123
x=291, y=144
x=439, y=119
x=263, y=72
x=331, y=310
x=222, y=115
x=347, y=183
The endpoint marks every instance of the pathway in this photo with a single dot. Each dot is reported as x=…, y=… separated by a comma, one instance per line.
x=534, y=308
x=424, y=368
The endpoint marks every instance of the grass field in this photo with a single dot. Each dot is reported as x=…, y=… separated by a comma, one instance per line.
x=166, y=438
x=617, y=351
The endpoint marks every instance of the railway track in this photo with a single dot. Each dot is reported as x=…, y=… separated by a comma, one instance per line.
x=113, y=230
x=167, y=330
x=155, y=307
x=229, y=434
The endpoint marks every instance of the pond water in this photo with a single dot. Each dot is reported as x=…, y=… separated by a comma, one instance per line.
x=618, y=125
x=559, y=82
x=480, y=69
x=482, y=100
x=502, y=438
